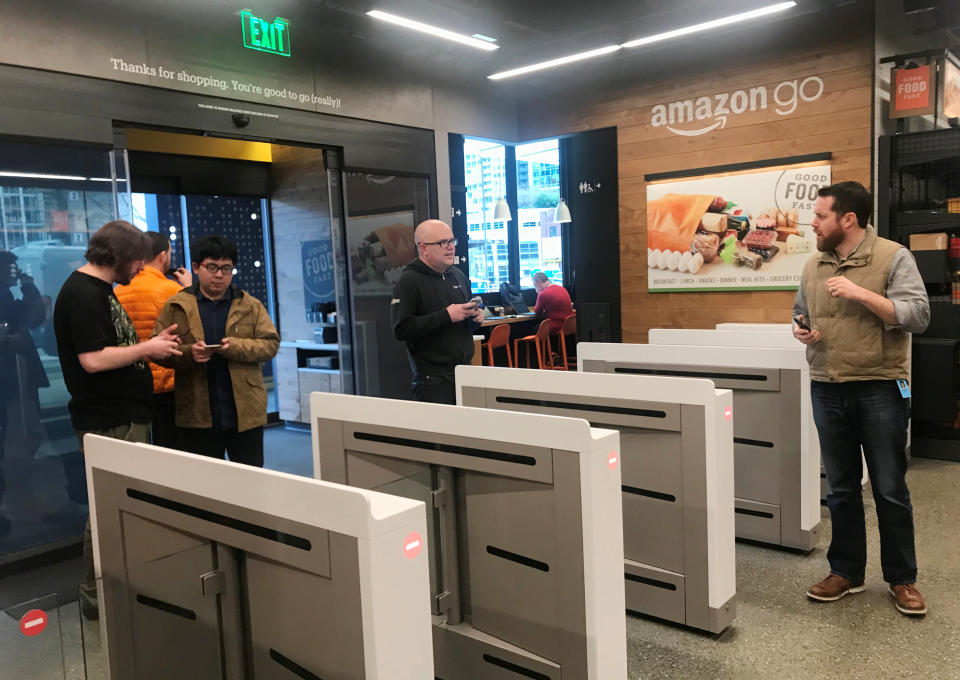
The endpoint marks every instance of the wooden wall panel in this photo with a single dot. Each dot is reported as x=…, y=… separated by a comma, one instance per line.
x=839, y=121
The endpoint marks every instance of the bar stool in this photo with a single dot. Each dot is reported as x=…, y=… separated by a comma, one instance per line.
x=499, y=337
x=568, y=328
x=541, y=342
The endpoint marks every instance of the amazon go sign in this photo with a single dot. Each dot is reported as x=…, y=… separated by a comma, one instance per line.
x=699, y=116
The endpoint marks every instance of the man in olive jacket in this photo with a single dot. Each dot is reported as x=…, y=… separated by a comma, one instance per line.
x=220, y=399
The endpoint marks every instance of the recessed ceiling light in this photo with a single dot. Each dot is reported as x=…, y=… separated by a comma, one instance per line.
x=580, y=56
x=707, y=25
x=487, y=38
x=433, y=30
x=36, y=175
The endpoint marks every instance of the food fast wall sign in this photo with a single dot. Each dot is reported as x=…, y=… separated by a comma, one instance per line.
x=700, y=115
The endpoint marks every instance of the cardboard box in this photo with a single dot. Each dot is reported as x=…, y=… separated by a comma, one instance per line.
x=928, y=241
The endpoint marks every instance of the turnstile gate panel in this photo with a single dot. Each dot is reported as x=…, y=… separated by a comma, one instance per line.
x=214, y=570
x=528, y=544
x=677, y=565
x=777, y=479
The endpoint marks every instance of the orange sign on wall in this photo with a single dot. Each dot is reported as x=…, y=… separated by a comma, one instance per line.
x=912, y=92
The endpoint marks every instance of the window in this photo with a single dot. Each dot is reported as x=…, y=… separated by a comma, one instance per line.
x=487, y=247
x=540, y=240
x=533, y=234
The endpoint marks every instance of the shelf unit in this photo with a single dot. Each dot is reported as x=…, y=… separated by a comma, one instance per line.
x=918, y=174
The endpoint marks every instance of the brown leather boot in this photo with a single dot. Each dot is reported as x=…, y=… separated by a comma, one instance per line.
x=908, y=599
x=833, y=588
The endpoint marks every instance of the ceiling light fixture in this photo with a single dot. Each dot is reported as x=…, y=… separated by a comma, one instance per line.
x=433, y=30
x=580, y=56
x=501, y=212
x=707, y=25
x=35, y=175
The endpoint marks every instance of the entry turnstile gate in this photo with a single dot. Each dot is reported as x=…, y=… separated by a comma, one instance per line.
x=676, y=448
x=776, y=465
x=526, y=539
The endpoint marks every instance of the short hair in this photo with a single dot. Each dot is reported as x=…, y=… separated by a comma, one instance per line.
x=7, y=258
x=159, y=242
x=117, y=244
x=540, y=277
x=850, y=197
x=214, y=247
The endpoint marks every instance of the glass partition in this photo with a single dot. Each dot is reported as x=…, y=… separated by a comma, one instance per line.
x=382, y=211
x=51, y=198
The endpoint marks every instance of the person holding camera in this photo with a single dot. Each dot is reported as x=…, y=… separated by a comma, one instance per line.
x=21, y=371
x=143, y=298
x=434, y=312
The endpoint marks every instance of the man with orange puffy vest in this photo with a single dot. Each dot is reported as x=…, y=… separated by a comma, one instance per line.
x=143, y=298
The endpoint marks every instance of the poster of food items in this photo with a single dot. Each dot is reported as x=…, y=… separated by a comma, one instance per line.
x=738, y=231
x=380, y=245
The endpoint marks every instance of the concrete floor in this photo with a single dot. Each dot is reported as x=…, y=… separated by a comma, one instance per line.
x=778, y=632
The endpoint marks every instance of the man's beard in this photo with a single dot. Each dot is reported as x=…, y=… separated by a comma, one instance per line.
x=829, y=243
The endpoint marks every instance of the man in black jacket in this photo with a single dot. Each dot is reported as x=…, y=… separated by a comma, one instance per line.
x=433, y=314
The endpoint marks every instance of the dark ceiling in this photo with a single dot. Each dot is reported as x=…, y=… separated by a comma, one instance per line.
x=530, y=31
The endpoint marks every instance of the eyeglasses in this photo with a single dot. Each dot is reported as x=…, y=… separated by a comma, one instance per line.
x=213, y=269
x=445, y=243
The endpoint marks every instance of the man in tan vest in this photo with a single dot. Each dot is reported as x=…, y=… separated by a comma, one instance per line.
x=860, y=299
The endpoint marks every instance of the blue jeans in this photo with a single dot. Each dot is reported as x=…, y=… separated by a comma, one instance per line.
x=871, y=414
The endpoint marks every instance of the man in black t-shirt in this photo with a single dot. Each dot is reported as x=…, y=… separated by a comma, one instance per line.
x=104, y=364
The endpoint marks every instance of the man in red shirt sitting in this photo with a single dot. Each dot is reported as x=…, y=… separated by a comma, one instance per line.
x=552, y=300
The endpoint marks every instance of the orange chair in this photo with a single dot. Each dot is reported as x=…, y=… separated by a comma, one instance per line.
x=568, y=328
x=541, y=342
x=499, y=337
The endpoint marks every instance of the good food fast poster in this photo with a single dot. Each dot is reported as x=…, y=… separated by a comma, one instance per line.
x=737, y=231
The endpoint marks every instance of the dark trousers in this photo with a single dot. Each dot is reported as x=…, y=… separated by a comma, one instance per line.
x=165, y=431
x=435, y=389
x=3, y=440
x=871, y=414
x=243, y=447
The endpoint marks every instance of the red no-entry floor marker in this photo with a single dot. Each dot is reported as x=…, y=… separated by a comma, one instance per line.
x=33, y=622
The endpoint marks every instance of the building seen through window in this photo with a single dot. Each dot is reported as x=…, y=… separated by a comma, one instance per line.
x=538, y=191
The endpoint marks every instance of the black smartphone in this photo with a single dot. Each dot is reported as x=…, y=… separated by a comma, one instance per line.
x=800, y=321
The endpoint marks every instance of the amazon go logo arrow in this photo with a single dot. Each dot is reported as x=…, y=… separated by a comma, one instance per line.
x=705, y=114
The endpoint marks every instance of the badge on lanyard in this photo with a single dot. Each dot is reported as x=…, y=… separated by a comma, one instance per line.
x=904, y=388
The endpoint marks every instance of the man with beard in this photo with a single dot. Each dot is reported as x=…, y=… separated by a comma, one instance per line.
x=104, y=364
x=859, y=300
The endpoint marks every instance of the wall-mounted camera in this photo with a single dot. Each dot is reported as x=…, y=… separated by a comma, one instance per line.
x=241, y=120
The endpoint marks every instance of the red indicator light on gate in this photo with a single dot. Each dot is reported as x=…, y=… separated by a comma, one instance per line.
x=728, y=413
x=612, y=460
x=412, y=545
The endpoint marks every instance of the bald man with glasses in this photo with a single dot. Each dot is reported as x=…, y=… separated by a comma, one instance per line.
x=433, y=313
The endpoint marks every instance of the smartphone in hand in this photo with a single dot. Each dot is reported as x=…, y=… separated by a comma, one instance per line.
x=800, y=321
x=206, y=346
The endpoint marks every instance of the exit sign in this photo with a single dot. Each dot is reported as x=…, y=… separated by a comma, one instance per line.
x=266, y=36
